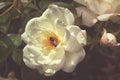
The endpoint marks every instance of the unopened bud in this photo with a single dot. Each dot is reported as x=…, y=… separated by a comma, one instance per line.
x=108, y=39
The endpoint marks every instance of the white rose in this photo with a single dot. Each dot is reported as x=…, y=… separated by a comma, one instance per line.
x=53, y=42
x=101, y=10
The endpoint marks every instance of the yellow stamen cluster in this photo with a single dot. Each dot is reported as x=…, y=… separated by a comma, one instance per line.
x=52, y=40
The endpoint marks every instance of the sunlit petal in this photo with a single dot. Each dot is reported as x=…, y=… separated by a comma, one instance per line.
x=53, y=12
x=73, y=59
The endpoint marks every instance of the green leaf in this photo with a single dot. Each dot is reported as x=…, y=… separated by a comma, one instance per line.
x=78, y=4
x=44, y=4
x=78, y=21
x=6, y=47
x=25, y=1
x=4, y=53
x=5, y=18
x=16, y=39
x=17, y=56
x=63, y=4
x=3, y=44
x=3, y=28
x=32, y=6
x=4, y=4
x=70, y=6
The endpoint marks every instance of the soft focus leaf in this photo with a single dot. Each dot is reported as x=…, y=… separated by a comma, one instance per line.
x=43, y=4
x=5, y=18
x=3, y=28
x=17, y=56
x=6, y=47
x=63, y=4
x=66, y=5
x=4, y=21
x=32, y=6
x=24, y=1
x=2, y=44
x=15, y=24
x=16, y=39
x=8, y=42
x=4, y=53
x=4, y=6
x=77, y=4
x=118, y=37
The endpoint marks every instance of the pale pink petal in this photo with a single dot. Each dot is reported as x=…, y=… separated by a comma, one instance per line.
x=88, y=17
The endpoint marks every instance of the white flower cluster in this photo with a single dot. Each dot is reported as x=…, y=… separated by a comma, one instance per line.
x=100, y=10
x=53, y=42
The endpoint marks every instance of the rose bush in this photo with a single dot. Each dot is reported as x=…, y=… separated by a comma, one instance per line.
x=53, y=42
x=98, y=10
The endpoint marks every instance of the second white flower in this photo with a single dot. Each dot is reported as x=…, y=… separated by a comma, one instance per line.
x=53, y=42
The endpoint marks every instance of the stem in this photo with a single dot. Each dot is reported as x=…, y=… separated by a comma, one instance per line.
x=7, y=10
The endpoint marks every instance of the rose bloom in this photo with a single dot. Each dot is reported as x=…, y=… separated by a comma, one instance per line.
x=101, y=10
x=109, y=39
x=53, y=42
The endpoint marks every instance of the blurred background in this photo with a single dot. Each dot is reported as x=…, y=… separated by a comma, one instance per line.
x=101, y=62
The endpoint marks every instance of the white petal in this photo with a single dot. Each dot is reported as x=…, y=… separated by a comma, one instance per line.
x=88, y=17
x=72, y=59
x=25, y=37
x=30, y=57
x=72, y=45
x=74, y=30
x=78, y=33
x=38, y=24
x=77, y=39
x=113, y=17
x=34, y=57
x=36, y=30
x=54, y=12
x=38, y=55
x=69, y=17
x=82, y=37
x=57, y=53
x=66, y=37
x=104, y=17
x=111, y=38
x=46, y=65
x=60, y=27
x=57, y=60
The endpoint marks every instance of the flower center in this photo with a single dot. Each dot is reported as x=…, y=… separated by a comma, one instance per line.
x=52, y=40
